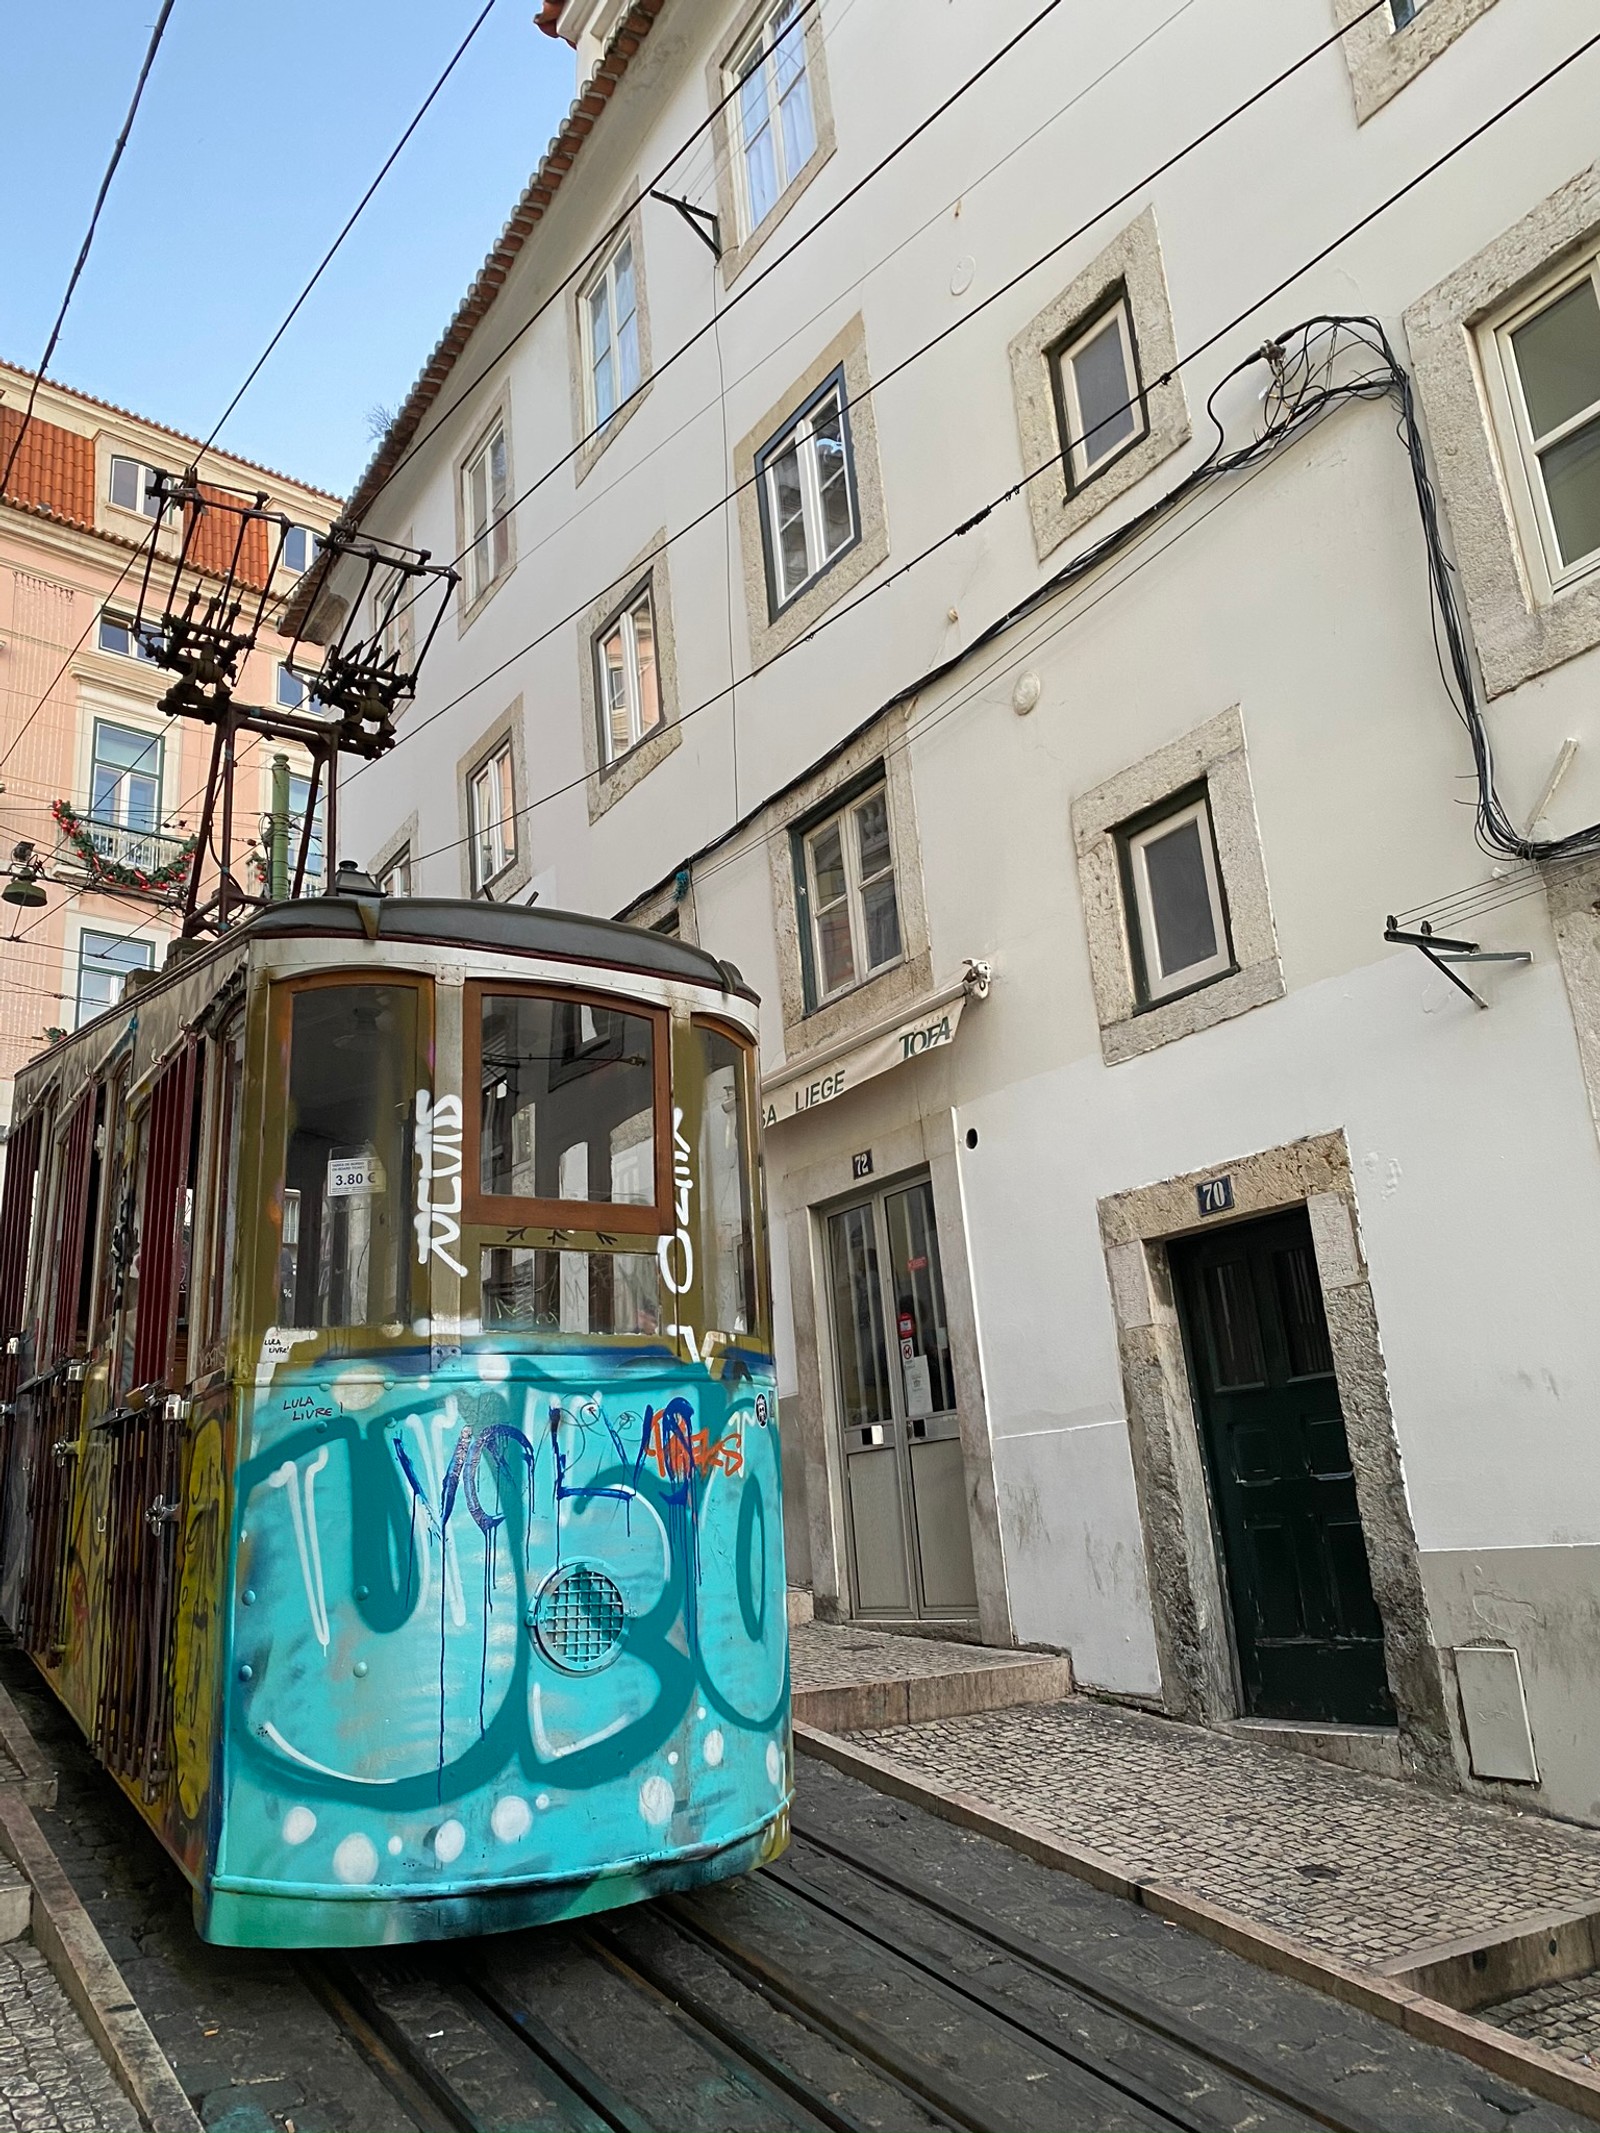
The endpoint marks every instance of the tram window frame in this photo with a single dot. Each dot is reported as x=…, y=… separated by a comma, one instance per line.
x=218, y=1192
x=163, y=1155
x=753, y=1181
x=107, y=1292
x=590, y=1217
x=257, y=1264
x=19, y=1204
x=68, y=1229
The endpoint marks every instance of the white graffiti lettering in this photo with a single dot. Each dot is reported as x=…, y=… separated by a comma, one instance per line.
x=438, y=1162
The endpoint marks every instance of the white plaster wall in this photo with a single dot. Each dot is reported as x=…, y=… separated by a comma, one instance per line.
x=1302, y=600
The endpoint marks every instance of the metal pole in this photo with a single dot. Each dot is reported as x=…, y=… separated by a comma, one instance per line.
x=278, y=848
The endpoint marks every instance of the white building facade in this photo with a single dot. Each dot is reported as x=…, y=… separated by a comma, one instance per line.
x=922, y=585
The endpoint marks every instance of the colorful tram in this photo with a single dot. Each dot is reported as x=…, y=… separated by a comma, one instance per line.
x=391, y=1473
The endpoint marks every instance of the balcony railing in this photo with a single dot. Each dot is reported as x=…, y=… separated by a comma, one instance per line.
x=145, y=850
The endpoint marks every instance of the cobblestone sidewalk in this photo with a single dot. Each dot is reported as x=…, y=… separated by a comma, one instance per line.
x=1563, y=2018
x=1364, y=1867
x=824, y=1656
x=52, y=2079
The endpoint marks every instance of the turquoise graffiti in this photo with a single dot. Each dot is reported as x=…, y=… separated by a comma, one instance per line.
x=507, y=1639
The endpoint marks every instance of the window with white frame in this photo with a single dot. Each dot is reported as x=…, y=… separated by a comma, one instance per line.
x=627, y=678
x=807, y=494
x=1549, y=352
x=127, y=641
x=774, y=121
x=492, y=814
x=610, y=314
x=104, y=960
x=485, y=495
x=299, y=801
x=1100, y=408
x=130, y=484
x=292, y=692
x=301, y=547
x=395, y=880
x=391, y=617
x=1176, y=915
x=125, y=778
x=845, y=865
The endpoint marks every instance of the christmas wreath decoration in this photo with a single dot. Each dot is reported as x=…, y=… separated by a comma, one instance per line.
x=112, y=873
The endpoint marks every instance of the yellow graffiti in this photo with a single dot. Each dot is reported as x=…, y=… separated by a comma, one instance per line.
x=198, y=1614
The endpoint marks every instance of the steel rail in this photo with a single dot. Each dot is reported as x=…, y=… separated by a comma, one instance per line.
x=628, y=1961
x=1281, y=2084
x=949, y=2097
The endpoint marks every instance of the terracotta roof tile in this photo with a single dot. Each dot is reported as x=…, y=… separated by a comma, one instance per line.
x=54, y=470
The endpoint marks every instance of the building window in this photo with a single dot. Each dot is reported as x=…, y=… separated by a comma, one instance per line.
x=127, y=641
x=299, y=799
x=395, y=880
x=301, y=547
x=104, y=960
x=391, y=618
x=807, y=493
x=125, y=778
x=627, y=678
x=486, y=493
x=1177, y=919
x=611, y=337
x=492, y=806
x=130, y=486
x=1099, y=399
x=1405, y=11
x=1550, y=354
x=845, y=872
x=777, y=131
x=291, y=690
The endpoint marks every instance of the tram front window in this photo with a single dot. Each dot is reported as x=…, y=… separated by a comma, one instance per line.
x=568, y=1095
x=727, y=1217
x=352, y=1080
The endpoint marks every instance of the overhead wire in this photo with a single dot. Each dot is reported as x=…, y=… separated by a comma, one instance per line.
x=82, y=260
x=1438, y=570
x=876, y=385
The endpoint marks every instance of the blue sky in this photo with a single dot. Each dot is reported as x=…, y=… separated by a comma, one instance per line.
x=263, y=122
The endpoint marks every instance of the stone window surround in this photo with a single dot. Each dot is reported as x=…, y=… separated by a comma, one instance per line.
x=590, y=448
x=396, y=842
x=498, y=413
x=903, y=983
x=769, y=633
x=1517, y=635
x=1215, y=755
x=1193, y=1622
x=811, y=1189
x=1131, y=262
x=739, y=250
x=607, y=783
x=651, y=909
x=1382, y=59
x=520, y=872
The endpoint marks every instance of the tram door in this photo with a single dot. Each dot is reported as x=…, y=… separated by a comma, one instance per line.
x=910, y=1543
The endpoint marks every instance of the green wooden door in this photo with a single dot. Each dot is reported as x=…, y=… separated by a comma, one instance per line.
x=1309, y=1638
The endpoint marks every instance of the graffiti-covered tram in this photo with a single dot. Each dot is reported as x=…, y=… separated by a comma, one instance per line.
x=391, y=1476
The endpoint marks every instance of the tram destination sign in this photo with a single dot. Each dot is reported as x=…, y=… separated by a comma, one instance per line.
x=787, y=1095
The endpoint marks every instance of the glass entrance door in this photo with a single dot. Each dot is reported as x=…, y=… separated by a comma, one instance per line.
x=911, y=1548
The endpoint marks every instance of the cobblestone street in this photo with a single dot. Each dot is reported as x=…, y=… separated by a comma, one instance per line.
x=1363, y=1867
x=52, y=2079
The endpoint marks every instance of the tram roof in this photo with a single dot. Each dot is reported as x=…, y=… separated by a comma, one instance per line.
x=509, y=929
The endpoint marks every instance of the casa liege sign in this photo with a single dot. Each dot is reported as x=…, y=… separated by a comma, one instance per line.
x=791, y=1094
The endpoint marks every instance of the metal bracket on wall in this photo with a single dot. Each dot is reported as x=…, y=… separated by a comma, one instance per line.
x=700, y=219
x=1441, y=953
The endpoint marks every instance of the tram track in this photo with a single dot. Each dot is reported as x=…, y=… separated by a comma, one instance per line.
x=836, y=1989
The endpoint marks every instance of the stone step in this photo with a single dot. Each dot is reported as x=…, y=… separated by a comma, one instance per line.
x=850, y=1680
x=802, y=1608
x=16, y=1903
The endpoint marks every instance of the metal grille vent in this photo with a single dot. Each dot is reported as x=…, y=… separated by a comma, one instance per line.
x=578, y=1619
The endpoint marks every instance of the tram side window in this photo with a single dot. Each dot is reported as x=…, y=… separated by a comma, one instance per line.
x=727, y=1209
x=229, y=1067
x=67, y=1232
x=155, y=1242
x=568, y=1102
x=528, y=1290
x=343, y=1258
x=17, y=1203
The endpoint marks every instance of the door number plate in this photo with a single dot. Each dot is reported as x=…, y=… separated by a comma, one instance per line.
x=1215, y=1195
